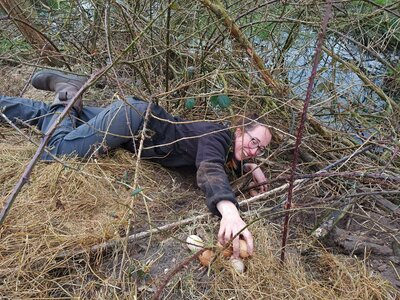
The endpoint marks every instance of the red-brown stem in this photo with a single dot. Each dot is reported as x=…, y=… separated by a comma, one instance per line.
x=318, y=49
x=173, y=272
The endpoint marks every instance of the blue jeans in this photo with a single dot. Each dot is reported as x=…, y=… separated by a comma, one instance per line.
x=94, y=130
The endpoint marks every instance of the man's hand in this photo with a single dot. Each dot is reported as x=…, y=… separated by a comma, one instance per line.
x=231, y=225
x=258, y=178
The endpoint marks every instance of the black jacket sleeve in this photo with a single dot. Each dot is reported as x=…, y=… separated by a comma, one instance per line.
x=212, y=180
x=211, y=176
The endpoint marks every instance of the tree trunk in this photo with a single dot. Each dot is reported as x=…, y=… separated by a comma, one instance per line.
x=17, y=12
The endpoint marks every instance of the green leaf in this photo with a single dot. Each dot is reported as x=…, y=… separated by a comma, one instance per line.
x=137, y=191
x=190, y=103
x=214, y=101
x=224, y=101
x=175, y=6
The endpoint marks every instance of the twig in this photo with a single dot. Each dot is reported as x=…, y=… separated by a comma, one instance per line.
x=218, y=9
x=135, y=182
x=392, y=105
x=28, y=170
x=328, y=167
x=355, y=174
x=28, y=137
x=331, y=220
x=254, y=9
x=137, y=236
x=383, y=7
x=134, y=237
x=167, y=54
x=172, y=273
x=318, y=49
x=107, y=29
x=8, y=17
x=370, y=50
x=33, y=72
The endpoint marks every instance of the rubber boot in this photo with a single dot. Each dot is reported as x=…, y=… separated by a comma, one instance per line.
x=64, y=85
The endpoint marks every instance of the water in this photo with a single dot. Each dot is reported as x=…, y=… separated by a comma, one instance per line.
x=339, y=98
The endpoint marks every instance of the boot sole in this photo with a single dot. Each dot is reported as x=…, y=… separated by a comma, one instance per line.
x=41, y=84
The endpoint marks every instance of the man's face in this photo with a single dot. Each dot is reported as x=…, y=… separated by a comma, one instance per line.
x=250, y=143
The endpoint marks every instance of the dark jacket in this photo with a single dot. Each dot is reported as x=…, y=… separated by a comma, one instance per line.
x=174, y=142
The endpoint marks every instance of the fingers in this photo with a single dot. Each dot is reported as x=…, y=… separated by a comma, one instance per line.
x=263, y=188
x=259, y=178
x=236, y=248
x=225, y=234
x=249, y=241
x=258, y=190
x=221, y=235
x=247, y=236
x=253, y=192
x=235, y=227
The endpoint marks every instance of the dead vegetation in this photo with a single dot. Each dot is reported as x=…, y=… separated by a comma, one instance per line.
x=64, y=237
x=79, y=206
x=74, y=207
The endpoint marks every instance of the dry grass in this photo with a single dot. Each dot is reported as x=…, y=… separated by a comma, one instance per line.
x=60, y=209
x=65, y=209
x=80, y=205
x=320, y=275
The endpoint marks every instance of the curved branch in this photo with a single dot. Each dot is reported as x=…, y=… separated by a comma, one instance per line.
x=218, y=9
x=8, y=17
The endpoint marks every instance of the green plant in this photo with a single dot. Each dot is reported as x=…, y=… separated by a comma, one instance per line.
x=16, y=45
x=222, y=101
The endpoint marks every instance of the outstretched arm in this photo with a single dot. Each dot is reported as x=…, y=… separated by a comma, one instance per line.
x=213, y=181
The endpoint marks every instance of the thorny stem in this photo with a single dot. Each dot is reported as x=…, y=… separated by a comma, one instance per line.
x=28, y=170
x=167, y=54
x=317, y=56
x=135, y=184
x=95, y=76
x=172, y=273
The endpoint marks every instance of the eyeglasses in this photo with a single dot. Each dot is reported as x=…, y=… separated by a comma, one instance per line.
x=255, y=143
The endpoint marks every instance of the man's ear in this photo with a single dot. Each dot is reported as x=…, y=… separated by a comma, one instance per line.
x=238, y=132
